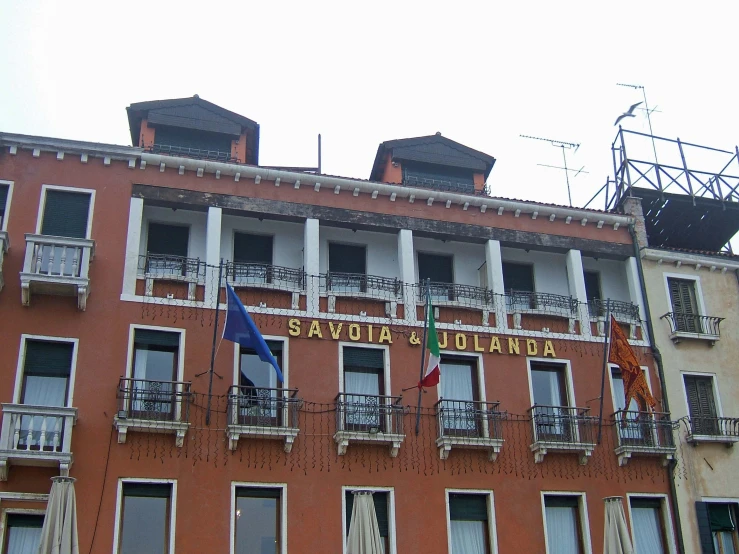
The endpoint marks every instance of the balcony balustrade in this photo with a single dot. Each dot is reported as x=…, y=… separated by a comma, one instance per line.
x=57, y=266
x=645, y=434
x=692, y=326
x=265, y=276
x=370, y=419
x=722, y=430
x=164, y=267
x=36, y=436
x=262, y=413
x=358, y=285
x=4, y=245
x=469, y=424
x=153, y=406
x=197, y=153
x=562, y=429
x=455, y=295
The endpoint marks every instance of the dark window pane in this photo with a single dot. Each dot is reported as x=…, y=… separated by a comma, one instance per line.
x=468, y=507
x=438, y=177
x=145, y=520
x=150, y=337
x=371, y=358
x=437, y=268
x=46, y=373
x=347, y=258
x=592, y=285
x=191, y=138
x=65, y=214
x=255, y=249
x=518, y=277
x=700, y=396
x=548, y=385
x=257, y=521
x=3, y=200
x=171, y=240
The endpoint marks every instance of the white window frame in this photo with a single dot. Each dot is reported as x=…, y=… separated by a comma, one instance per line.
x=611, y=367
x=385, y=358
x=6, y=215
x=478, y=358
x=492, y=527
x=42, y=205
x=172, y=508
x=664, y=513
x=22, y=360
x=19, y=497
x=714, y=383
x=567, y=365
x=285, y=356
x=390, y=514
x=582, y=506
x=698, y=290
x=283, y=511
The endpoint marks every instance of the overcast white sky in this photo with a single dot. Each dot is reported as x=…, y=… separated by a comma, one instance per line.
x=362, y=73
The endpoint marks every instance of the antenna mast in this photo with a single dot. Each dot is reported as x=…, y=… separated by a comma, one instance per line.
x=564, y=145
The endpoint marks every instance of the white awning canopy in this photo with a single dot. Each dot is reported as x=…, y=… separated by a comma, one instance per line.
x=364, y=532
x=616, y=539
x=59, y=534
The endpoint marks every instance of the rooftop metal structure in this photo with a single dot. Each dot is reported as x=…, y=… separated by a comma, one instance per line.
x=690, y=197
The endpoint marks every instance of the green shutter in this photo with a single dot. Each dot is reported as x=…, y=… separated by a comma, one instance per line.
x=652, y=503
x=704, y=528
x=347, y=258
x=149, y=337
x=561, y=501
x=171, y=240
x=682, y=296
x=255, y=249
x=700, y=396
x=380, y=500
x=65, y=214
x=25, y=520
x=719, y=515
x=518, y=277
x=257, y=492
x=468, y=507
x=3, y=198
x=436, y=268
x=369, y=358
x=48, y=358
x=149, y=490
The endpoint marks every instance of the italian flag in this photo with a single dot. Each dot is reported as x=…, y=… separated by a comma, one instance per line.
x=431, y=377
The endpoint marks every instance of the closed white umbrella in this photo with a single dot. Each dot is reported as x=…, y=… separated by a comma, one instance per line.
x=616, y=539
x=364, y=532
x=59, y=534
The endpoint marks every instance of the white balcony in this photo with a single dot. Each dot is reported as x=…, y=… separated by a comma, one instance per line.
x=4, y=245
x=36, y=436
x=58, y=266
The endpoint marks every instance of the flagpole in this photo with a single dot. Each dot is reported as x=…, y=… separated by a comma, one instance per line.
x=423, y=351
x=605, y=367
x=213, y=348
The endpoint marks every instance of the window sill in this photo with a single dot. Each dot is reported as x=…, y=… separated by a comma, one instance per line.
x=343, y=438
x=695, y=440
x=235, y=432
x=446, y=443
x=177, y=428
x=677, y=336
x=625, y=452
x=583, y=449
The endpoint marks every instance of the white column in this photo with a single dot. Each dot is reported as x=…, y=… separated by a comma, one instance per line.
x=133, y=244
x=407, y=264
x=576, y=281
x=632, y=278
x=494, y=269
x=213, y=254
x=311, y=245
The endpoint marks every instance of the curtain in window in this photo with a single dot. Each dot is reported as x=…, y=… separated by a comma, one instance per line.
x=43, y=391
x=456, y=388
x=647, y=530
x=632, y=430
x=364, y=531
x=562, y=533
x=154, y=394
x=547, y=392
x=24, y=540
x=468, y=537
x=361, y=409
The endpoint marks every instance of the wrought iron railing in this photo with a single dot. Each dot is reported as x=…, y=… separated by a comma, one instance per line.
x=197, y=153
x=153, y=400
x=373, y=285
x=263, y=407
x=453, y=292
x=621, y=310
x=644, y=429
x=681, y=322
x=369, y=413
x=563, y=424
x=446, y=185
x=469, y=418
x=177, y=268
x=556, y=304
x=256, y=274
x=719, y=427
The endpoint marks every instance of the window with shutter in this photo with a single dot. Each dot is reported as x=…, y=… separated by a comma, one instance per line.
x=564, y=528
x=66, y=214
x=364, y=384
x=468, y=515
x=23, y=533
x=682, y=297
x=4, y=189
x=46, y=371
x=702, y=405
x=646, y=521
x=171, y=240
x=253, y=249
x=347, y=267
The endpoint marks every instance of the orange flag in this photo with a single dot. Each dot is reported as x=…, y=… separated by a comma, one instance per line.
x=635, y=385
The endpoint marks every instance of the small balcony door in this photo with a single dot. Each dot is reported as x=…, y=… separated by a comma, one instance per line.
x=65, y=215
x=551, y=405
x=46, y=374
x=684, y=305
x=702, y=405
x=439, y=269
x=347, y=267
x=518, y=282
x=364, y=389
x=259, y=395
x=155, y=364
x=253, y=259
x=167, y=249
x=459, y=391
x=634, y=427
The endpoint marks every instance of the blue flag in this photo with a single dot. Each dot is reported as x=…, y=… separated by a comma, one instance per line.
x=240, y=328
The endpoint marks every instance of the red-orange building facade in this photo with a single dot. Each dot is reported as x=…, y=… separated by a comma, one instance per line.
x=332, y=271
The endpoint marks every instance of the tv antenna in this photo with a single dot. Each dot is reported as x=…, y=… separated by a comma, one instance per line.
x=564, y=145
x=648, y=112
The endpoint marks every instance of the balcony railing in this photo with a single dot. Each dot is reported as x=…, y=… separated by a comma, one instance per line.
x=197, y=153
x=36, y=436
x=714, y=429
x=57, y=265
x=248, y=274
x=453, y=292
x=165, y=267
x=684, y=325
x=153, y=406
x=369, y=418
x=644, y=433
x=540, y=302
x=267, y=413
x=361, y=284
x=4, y=245
x=564, y=429
x=469, y=424
x=622, y=311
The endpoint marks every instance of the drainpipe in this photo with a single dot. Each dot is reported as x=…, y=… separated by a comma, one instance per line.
x=661, y=373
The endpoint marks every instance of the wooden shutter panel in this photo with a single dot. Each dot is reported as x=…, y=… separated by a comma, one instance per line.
x=257, y=492
x=150, y=490
x=381, y=512
x=468, y=507
x=3, y=199
x=150, y=337
x=48, y=358
x=347, y=258
x=65, y=214
x=25, y=520
x=168, y=239
x=256, y=249
x=704, y=528
x=436, y=268
x=370, y=358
